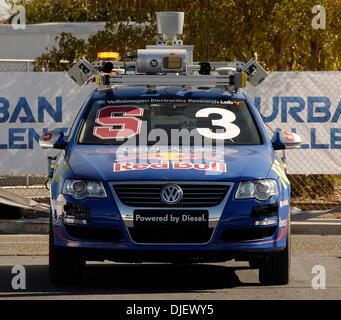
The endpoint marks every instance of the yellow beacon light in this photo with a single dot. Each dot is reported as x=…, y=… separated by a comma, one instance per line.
x=108, y=56
x=244, y=79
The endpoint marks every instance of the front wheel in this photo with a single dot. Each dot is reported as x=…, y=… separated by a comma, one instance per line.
x=275, y=269
x=63, y=267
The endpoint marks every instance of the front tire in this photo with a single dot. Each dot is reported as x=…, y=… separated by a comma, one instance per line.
x=275, y=270
x=63, y=267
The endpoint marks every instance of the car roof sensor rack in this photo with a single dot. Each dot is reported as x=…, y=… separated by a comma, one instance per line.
x=168, y=63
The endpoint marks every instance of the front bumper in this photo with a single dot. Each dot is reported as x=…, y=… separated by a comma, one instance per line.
x=123, y=249
x=108, y=232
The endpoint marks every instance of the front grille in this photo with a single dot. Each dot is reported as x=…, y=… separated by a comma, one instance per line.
x=248, y=234
x=170, y=235
x=91, y=233
x=148, y=195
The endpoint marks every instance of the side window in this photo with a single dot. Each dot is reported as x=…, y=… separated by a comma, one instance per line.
x=72, y=129
x=255, y=120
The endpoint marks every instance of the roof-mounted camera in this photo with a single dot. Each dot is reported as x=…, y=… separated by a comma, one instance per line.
x=255, y=73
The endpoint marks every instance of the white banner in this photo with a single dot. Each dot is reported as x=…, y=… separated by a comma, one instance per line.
x=30, y=104
x=308, y=103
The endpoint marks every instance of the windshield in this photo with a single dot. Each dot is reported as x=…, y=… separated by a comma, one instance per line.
x=191, y=122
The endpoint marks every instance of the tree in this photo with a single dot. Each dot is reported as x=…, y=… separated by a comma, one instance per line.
x=69, y=49
x=278, y=33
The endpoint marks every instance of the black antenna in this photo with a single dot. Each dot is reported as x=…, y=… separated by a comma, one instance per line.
x=208, y=33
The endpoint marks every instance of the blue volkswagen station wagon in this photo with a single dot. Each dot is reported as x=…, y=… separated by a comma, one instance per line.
x=183, y=174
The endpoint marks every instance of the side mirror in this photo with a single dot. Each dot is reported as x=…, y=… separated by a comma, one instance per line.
x=53, y=139
x=286, y=140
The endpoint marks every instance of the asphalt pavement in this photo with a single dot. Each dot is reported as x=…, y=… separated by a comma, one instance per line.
x=150, y=281
x=316, y=243
x=313, y=256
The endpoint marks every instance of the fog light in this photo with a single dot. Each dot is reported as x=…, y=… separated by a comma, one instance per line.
x=265, y=211
x=76, y=210
x=77, y=221
x=266, y=222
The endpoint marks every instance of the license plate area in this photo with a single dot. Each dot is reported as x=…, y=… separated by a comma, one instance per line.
x=178, y=219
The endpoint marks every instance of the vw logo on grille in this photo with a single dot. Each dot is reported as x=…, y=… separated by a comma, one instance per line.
x=171, y=194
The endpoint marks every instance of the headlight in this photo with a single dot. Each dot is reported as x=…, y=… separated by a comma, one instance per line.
x=81, y=189
x=258, y=189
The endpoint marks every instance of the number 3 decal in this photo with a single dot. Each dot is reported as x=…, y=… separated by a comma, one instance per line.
x=122, y=116
x=227, y=117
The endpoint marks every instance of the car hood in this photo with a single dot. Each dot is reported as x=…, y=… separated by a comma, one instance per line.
x=110, y=163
